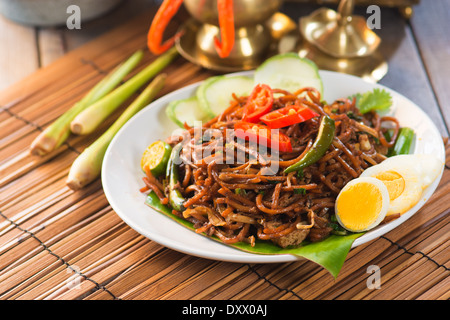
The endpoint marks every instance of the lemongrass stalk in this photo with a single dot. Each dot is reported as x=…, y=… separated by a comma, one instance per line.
x=87, y=166
x=89, y=119
x=114, y=77
x=57, y=132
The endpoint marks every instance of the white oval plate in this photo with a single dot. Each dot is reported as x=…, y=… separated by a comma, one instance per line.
x=122, y=175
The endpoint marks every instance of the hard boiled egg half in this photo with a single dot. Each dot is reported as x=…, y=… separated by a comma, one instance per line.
x=362, y=204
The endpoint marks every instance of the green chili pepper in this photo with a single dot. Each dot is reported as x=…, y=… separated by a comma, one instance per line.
x=323, y=141
x=337, y=229
x=403, y=143
x=176, y=199
x=300, y=191
x=240, y=191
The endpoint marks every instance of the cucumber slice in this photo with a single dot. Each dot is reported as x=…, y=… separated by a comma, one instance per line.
x=214, y=94
x=290, y=72
x=186, y=110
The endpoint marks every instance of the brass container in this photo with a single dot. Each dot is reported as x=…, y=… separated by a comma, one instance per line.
x=339, y=34
x=252, y=35
x=405, y=7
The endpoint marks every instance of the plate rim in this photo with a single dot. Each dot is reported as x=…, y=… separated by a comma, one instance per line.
x=245, y=257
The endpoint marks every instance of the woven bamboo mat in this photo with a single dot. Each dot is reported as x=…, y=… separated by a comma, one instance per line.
x=59, y=244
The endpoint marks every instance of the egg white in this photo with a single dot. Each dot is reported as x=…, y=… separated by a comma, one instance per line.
x=417, y=171
x=431, y=167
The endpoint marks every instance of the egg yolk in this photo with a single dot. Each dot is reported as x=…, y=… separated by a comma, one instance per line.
x=394, y=183
x=359, y=206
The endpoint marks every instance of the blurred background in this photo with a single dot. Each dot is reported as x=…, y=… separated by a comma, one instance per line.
x=33, y=32
x=414, y=42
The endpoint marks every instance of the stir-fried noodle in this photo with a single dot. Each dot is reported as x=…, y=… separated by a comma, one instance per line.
x=248, y=199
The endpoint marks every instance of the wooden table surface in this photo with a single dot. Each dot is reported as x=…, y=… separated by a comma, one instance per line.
x=418, y=54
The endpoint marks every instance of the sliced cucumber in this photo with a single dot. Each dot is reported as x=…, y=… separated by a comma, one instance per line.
x=290, y=72
x=214, y=94
x=186, y=110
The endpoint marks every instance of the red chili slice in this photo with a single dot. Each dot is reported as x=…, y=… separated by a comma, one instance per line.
x=288, y=116
x=162, y=18
x=263, y=135
x=258, y=104
x=226, y=23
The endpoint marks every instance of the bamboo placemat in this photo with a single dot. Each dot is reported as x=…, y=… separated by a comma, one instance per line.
x=56, y=243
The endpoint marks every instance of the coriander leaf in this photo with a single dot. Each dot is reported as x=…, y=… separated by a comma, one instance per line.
x=378, y=99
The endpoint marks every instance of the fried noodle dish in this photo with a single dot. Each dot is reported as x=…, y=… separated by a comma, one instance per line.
x=285, y=195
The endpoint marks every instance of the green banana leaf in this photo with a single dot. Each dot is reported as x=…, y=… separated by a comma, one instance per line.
x=329, y=253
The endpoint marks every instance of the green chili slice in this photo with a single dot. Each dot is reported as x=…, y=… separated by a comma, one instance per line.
x=403, y=143
x=323, y=141
x=176, y=199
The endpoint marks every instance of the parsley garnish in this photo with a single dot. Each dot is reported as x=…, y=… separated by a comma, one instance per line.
x=378, y=99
